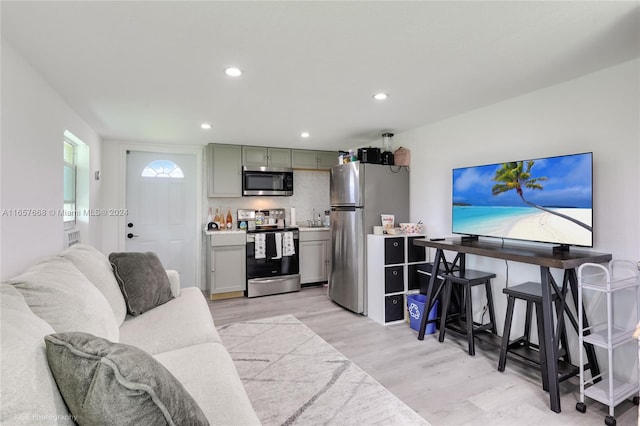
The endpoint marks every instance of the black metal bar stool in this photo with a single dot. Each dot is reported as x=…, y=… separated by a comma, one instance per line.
x=467, y=278
x=522, y=347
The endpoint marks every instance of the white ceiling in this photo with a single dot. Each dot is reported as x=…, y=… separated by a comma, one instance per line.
x=153, y=71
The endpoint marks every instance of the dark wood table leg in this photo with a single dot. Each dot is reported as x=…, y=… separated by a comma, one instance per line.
x=428, y=292
x=550, y=345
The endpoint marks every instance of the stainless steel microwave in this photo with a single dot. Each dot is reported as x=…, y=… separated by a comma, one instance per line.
x=267, y=181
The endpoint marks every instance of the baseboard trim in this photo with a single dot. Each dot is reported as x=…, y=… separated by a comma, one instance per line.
x=230, y=295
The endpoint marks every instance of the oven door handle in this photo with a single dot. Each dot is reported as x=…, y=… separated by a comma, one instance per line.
x=273, y=280
x=251, y=238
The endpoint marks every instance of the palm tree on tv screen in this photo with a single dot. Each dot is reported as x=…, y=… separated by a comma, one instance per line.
x=512, y=176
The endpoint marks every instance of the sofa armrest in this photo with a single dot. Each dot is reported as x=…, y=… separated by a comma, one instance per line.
x=174, y=280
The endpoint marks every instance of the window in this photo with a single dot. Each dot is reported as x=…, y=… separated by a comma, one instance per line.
x=70, y=177
x=76, y=182
x=163, y=169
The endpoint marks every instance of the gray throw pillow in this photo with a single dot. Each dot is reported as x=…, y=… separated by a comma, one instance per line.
x=105, y=383
x=142, y=279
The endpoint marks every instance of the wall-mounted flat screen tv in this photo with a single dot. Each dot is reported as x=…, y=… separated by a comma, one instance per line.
x=544, y=200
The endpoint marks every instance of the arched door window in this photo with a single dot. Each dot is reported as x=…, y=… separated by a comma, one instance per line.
x=162, y=169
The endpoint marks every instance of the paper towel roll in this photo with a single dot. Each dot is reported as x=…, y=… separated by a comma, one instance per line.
x=293, y=217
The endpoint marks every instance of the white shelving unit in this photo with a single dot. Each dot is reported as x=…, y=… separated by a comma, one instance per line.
x=392, y=272
x=606, y=388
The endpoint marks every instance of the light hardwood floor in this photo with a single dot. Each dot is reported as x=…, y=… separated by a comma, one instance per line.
x=440, y=381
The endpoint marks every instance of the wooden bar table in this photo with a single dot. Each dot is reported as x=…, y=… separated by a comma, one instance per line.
x=544, y=257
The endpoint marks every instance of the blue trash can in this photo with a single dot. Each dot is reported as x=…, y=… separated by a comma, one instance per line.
x=415, y=304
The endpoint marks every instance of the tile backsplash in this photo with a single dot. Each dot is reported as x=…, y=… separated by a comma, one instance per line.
x=310, y=191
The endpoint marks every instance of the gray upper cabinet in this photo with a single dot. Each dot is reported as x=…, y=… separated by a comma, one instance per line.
x=224, y=170
x=309, y=159
x=263, y=156
x=279, y=157
x=304, y=159
x=327, y=159
x=254, y=156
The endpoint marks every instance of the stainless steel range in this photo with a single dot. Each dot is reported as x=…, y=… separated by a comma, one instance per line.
x=273, y=265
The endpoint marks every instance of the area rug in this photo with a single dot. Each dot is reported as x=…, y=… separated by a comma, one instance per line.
x=294, y=377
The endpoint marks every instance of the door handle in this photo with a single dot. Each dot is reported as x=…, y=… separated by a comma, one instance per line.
x=130, y=235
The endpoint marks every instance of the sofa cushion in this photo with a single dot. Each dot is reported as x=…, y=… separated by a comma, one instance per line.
x=29, y=392
x=142, y=279
x=174, y=280
x=183, y=321
x=60, y=294
x=96, y=267
x=105, y=383
x=208, y=373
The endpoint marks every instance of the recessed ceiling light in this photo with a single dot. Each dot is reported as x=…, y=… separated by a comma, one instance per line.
x=380, y=96
x=205, y=126
x=304, y=135
x=233, y=72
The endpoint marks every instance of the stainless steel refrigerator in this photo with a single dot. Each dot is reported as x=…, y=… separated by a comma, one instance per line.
x=360, y=193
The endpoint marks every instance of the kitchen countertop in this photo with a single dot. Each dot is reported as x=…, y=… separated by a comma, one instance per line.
x=226, y=231
x=239, y=231
x=400, y=234
x=313, y=228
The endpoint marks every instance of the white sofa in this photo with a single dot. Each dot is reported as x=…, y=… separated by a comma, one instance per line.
x=77, y=291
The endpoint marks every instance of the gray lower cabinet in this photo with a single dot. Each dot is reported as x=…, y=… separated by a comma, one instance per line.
x=263, y=156
x=314, y=256
x=224, y=170
x=226, y=265
x=310, y=159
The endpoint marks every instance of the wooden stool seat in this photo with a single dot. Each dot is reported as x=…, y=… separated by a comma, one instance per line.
x=530, y=292
x=468, y=279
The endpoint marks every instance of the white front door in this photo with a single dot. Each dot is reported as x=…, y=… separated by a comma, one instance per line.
x=161, y=204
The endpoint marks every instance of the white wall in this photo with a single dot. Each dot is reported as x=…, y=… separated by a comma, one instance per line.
x=598, y=112
x=34, y=118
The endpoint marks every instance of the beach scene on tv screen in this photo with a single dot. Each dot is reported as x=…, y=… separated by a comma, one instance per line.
x=547, y=200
